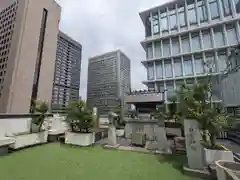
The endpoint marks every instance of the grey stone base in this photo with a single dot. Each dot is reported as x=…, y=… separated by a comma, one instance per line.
x=3, y=150
x=111, y=146
x=200, y=173
x=54, y=137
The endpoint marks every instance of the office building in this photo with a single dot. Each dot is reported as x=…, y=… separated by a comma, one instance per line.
x=28, y=43
x=185, y=39
x=67, y=72
x=108, y=81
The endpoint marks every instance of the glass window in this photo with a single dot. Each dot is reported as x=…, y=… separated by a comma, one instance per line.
x=173, y=20
x=202, y=11
x=160, y=87
x=164, y=22
x=185, y=44
x=214, y=9
x=219, y=37
x=179, y=84
x=198, y=60
x=207, y=42
x=149, y=51
x=168, y=69
x=159, y=70
x=166, y=47
x=196, y=45
x=148, y=28
x=226, y=7
x=210, y=65
x=175, y=46
x=222, y=60
x=182, y=17
x=178, y=67
x=237, y=6
x=157, y=49
x=170, y=89
x=155, y=21
x=192, y=17
x=188, y=68
x=150, y=71
x=231, y=34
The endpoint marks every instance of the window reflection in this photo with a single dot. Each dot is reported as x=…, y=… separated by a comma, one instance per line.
x=148, y=28
x=207, y=42
x=226, y=6
x=210, y=63
x=175, y=46
x=168, y=69
x=164, y=22
x=150, y=71
x=178, y=67
x=231, y=34
x=155, y=21
x=149, y=51
x=219, y=37
x=173, y=19
x=188, y=67
x=157, y=49
x=202, y=11
x=192, y=17
x=198, y=61
x=222, y=60
x=159, y=70
x=170, y=89
x=166, y=47
x=195, y=41
x=182, y=17
x=214, y=9
x=185, y=44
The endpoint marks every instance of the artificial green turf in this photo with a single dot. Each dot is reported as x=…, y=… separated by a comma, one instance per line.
x=62, y=162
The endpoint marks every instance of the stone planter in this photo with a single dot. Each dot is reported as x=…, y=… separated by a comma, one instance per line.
x=5, y=142
x=80, y=139
x=26, y=140
x=227, y=170
x=212, y=155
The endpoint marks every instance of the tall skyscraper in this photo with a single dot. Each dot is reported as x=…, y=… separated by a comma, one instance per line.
x=67, y=72
x=185, y=39
x=28, y=43
x=108, y=81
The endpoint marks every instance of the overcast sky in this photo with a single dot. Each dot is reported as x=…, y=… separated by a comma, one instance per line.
x=106, y=25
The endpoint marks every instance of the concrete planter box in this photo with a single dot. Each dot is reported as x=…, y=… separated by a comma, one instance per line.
x=80, y=139
x=212, y=155
x=5, y=142
x=227, y=170
x=26, y=140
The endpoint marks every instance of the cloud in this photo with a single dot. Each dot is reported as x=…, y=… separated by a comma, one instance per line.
x=105, y=25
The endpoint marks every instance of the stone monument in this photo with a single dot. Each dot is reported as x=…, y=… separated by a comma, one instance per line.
x=193, y=146
x=112, y=137
x=95, y=117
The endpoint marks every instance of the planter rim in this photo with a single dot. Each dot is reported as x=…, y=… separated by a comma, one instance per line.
x=224, y=149
x=224, y=161
x=26, y=134
x=78, y=133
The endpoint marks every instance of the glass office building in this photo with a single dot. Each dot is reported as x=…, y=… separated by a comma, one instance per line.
x=183, y=36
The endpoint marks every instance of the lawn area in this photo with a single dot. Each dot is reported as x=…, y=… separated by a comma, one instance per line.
x=62, y=162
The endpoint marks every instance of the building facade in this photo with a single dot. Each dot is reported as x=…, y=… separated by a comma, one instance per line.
x=185, y=39
x=28, y=43
x=108, y=81
x=67, y=72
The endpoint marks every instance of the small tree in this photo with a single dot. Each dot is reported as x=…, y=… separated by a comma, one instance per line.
x=195, y=104
x=79, y=118
x=39, y=110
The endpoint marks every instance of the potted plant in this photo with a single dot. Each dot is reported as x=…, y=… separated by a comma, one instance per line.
x=80, y=121
x=36, y=134
x=196, y=104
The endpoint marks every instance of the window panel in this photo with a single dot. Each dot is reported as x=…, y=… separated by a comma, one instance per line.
x=166, y=47
x=185, y=44
x=219, y=37
x=192, y=17
x=237, y=5
x=159, y=70
x=226, y=7
x=202, y=11
x=155, y=21
x=170, y=89
x=160, y=87
x=198, y=60
x=168, y=69
x=179, y=84
x=222, y=60
x=157, y=49
x=188, y=67
x=173, y=21
x=210, y=63
x=207, y=42
x=150, y=71
x=175, y=46
x=182, y=17
x=149, y=51
x=178, y=68
x=195, y=41
x=231, y=35
x=164, y=23
x=214, y=9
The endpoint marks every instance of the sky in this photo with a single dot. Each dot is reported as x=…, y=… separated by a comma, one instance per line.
x=106, y=25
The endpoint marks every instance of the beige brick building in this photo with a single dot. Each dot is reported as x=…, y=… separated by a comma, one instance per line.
x=28, y=42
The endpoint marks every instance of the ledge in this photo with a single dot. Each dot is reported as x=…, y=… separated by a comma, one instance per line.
x=11, y=116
